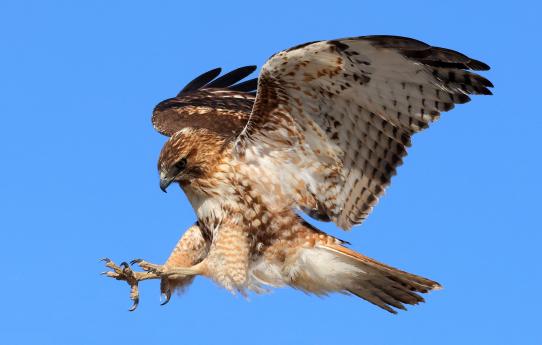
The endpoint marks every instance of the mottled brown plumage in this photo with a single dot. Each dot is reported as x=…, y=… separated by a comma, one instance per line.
x=324, y=134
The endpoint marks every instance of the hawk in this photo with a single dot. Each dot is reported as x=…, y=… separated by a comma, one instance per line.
x=322, y=130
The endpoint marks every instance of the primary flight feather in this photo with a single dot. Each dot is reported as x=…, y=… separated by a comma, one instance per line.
x=322, y=130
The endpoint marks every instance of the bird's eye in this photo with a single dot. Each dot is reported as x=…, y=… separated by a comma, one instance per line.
x=180, y=165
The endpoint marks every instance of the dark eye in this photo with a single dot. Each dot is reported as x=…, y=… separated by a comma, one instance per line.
x=179, y=166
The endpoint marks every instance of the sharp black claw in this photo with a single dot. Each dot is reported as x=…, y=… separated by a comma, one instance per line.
x=104, y=273
x=106, y=260
x=134, y=306
x=124, y=264
x=135, y=261
x=167, y=295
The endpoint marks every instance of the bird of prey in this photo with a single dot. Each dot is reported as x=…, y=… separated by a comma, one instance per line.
x=321, y=131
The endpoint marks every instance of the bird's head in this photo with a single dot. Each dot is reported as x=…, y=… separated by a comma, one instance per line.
x=190, y=154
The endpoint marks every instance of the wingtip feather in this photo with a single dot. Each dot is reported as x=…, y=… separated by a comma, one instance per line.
x=200, y=81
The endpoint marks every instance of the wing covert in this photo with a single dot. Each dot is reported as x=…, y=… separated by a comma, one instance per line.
x=220, y=104
x=344, y=112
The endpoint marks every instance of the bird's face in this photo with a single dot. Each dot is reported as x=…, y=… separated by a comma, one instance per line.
x=186, y=157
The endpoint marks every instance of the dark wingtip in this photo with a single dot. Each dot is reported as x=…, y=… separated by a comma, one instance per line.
x=232, y=77
x=478, y=65
x=426, y=54
x=201, y=81
x=246, y=86
x=461, y=98
x=485, y=82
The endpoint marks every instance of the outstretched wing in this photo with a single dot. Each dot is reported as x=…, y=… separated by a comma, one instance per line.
x=343, y=112
x=217, y=104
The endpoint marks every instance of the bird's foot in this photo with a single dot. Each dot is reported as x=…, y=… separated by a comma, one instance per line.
x=148, y=267
x=125, y=272
x=172, y=272
x=159, y=271
x=150, y=271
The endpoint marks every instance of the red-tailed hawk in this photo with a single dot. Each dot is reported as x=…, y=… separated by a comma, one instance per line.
x=322, y=130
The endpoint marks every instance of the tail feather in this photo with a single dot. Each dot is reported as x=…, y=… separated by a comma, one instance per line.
x=332, y=267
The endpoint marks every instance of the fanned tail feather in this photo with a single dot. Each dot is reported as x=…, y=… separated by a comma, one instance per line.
x=334, y=268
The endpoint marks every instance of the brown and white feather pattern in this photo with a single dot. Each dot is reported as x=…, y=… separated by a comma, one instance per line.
x=219, y=104
x=191, y=249
x=337, y=116
x=329, y=125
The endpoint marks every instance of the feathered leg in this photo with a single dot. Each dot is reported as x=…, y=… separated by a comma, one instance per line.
x=191, y=249
x=226, y=261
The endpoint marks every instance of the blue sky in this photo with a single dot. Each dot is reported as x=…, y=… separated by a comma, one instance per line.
x=79, y=182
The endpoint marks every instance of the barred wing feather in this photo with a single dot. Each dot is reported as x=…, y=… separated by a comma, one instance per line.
x=343, y=112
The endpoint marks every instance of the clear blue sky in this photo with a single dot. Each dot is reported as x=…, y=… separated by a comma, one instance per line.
x=78, y=179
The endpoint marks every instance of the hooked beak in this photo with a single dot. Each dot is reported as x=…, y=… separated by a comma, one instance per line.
x=164, y=183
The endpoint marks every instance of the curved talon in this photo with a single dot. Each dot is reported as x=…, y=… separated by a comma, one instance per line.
x=167, y=295
x=124, y=264
x=135, y=261
x=106, y=260
x=134, y=305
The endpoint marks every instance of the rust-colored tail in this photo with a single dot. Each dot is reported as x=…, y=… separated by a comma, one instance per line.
x=334, y=268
